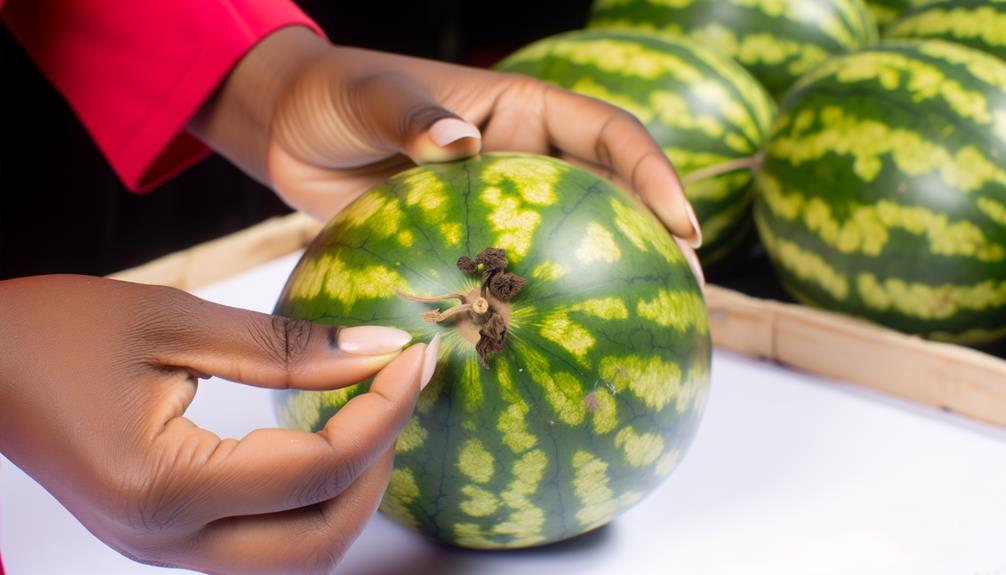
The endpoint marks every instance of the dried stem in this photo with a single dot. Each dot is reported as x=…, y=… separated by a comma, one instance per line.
x=749, y=163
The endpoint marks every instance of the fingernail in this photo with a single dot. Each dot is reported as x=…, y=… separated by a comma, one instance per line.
x=693, y=262
x=369, y=339
x=696, y=240
x=429, y=361
x=449, y=130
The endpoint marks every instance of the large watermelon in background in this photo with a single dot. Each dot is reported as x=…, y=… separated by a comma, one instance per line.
x=980, y=24
x=603, y=372
x=777, y=41
x=702, y=108
x=883, y=192
x=886, y=11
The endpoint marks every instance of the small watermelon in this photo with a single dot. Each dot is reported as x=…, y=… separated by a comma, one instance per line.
x=555, y=405
x=703, y=109
x=777, y=41
x=883, y=191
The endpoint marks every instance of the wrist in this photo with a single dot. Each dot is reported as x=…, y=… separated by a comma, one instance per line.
x=236, y=121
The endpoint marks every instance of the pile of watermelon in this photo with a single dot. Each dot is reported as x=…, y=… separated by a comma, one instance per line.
x=870, y=168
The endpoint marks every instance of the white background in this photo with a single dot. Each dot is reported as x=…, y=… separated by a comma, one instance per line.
x=788, y=474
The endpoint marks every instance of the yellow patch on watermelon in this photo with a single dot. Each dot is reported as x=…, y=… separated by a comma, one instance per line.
x=604, y=416
x=310, y=278
x=475, y=462
x=549, y=271
x=598, y=245
x=513, y=225
x=681, y=310
x=590, y=87
x=567, y=334
x=565, y=394
x=402, y=491
x=639, y=449
x=804, y=264
x=427, y=191
x=604, y=308
x=867, y=227
x=994, y=209
x=643, y=231
x=369, y=282
x=667, y=462
x=526, y=520
x=405, y=238
x=929, y=302
x=591, y=485
x=452, y=233
x=480, y=503
x=411, y=437
x=654, y=381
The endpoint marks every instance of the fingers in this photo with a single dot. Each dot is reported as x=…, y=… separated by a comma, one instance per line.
x=273, y=351
x=401, y=116
x=306, y=540
x=273, y=470
x=605, y=135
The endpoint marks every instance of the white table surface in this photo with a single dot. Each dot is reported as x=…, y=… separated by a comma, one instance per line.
x=788, y=474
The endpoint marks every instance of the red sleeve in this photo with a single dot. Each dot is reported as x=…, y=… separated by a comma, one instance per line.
x=136, y=71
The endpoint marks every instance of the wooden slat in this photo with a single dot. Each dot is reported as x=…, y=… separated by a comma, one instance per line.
x=224, y=257
x=942, y=375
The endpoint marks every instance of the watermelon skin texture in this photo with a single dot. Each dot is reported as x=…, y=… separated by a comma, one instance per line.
x=979, y=24
x=701, y=108
x=776, y=40
x=883, y=194
x=886, y=11
x=605, y=371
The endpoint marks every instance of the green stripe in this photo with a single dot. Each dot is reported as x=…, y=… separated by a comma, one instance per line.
x=776, y=40
x=980, y=24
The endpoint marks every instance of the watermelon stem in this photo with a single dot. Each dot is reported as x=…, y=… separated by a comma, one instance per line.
x=487, y=306
x=752, y=163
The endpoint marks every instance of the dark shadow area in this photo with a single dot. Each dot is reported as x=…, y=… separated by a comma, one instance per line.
x=441, y=559
x=63, y=210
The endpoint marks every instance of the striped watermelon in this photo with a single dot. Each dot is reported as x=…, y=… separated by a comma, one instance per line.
x=980, y=24
x=883, y=192
x=702, y=108
x=603, y=374
x=776, y=40
x=886, y=11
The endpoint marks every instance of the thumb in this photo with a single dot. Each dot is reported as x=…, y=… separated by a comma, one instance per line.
x=405, y=118
x=274, y=351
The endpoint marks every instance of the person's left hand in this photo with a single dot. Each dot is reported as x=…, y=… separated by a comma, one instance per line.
x=341, y=120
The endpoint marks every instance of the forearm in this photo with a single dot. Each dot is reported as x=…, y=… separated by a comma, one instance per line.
x=236, y=120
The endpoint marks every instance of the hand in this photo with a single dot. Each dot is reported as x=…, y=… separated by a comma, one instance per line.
x=321, y=124
x=95, y=378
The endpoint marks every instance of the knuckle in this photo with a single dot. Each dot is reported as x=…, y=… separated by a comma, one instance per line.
x=283, y=340
x=332, y=480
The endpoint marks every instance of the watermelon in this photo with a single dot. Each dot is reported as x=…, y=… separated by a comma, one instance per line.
x=980, y=24
x=883, y=192
x=704, y=110
x=777, y=41
x=594, y=391
x=886, y=11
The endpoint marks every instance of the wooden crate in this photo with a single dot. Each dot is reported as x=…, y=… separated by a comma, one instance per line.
x=943, y=375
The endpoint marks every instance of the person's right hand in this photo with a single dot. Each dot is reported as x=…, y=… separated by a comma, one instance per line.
x=95, y=377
